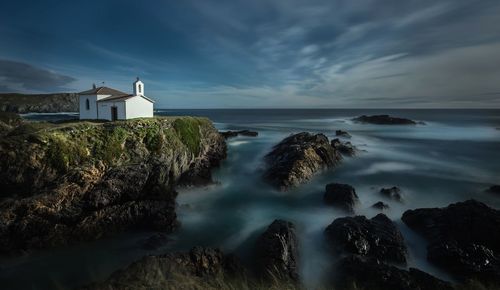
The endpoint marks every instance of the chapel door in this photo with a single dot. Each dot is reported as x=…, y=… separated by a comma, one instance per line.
x=114, y=113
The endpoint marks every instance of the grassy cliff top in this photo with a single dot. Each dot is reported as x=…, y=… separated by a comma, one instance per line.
x=78, y=143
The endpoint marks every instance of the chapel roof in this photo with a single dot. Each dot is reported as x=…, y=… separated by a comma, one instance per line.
x=103, y=91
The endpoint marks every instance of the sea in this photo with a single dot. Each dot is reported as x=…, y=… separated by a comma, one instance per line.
x=451, y=156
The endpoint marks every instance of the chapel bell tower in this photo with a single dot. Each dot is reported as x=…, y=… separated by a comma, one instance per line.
x=138, y=88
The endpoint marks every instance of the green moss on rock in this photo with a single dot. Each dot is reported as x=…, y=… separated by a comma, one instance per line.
x=188, y=130
x=77, y=144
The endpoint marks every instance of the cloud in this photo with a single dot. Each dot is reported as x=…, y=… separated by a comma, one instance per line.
x=19, y=76
x=294, y=53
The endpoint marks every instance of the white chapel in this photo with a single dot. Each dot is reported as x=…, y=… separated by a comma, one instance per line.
x=103, y=103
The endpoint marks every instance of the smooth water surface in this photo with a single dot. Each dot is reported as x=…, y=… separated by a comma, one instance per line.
x=453, y=157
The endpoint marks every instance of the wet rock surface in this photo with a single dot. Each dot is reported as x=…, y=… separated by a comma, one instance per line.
x=384, y=120
x=393, y=193
x=463, y=238
x=377, y=238
x=200, y=268
x=341, y=133
x=341, y=195
x=380, y=206
x=494, y=189
x=277, y=252
x=59, y=192
x=297, y=158
x=374, y=275
x=345, y=148
x=248, y=133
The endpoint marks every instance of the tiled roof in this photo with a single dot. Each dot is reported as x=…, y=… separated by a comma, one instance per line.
x=103, y=91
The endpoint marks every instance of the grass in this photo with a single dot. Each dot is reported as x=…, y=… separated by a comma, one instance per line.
x=188, y=130
x=74, y=144
x=113, y=144
x=62, y=153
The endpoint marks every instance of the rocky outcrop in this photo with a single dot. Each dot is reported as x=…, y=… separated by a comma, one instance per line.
x=341, y=133
x=380, y=205
x=345, y=148
x=200, y=268
x=81, y=181
x=494, y=189
x=384, y=120
x=277, y=252
x=341, y=195
x=374, y=275
x=247, y=133
x=393, y=193
x=45, y=103
x=463, y=238
x=297, y=158
x=377, y=238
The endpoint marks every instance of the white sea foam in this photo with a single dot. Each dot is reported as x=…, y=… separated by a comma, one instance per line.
x=237, y=143
x=385, y=167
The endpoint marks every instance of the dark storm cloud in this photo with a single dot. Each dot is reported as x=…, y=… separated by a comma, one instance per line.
x=16, y=76
x=316, y=53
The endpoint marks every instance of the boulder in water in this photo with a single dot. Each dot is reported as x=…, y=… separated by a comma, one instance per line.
x=377, y=237
x=341, y=195
x=495, y=189
x=373, y=275
x=297, y=158
x=384, y=120
x=380, y=205
x=230, y=134
x=341, y=133
x=345, y=148
x=463, y=238
x=393, y=193
x=277, y=252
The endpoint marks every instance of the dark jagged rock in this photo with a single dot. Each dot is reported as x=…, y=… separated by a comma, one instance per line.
x=380, y=205
x=384, y=120
x=80, y=181
x=230, y=134
x=200, y=268
x=463, y=238
x=342, y=133
x=393, y=193
x=277, y=252
x=155, y=241
x=297, y=158
x=374, y=275
x=377, y=237
x=248, y=133
x=341, y=195
x=495, y=189
x=345, y=148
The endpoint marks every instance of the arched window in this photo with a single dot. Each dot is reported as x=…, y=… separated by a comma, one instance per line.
x=140, y=89
x=87, y=104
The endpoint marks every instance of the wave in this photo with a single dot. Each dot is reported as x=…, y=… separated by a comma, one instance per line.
x=379, y=167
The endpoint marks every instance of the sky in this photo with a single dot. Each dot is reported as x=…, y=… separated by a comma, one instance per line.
x=259, y=53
